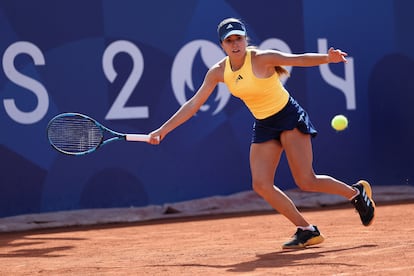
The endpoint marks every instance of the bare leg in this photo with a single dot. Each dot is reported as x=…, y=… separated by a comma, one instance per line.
x=264, y=159
x=298, y=149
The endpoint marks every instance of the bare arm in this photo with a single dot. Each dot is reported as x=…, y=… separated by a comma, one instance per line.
x=189, y=108
x=276, y=58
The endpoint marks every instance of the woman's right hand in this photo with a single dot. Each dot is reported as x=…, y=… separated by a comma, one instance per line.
x=155, y=137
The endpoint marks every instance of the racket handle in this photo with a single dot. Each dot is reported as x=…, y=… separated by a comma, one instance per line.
x=137, y=137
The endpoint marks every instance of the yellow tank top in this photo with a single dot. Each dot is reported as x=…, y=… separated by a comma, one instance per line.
x=263, y=96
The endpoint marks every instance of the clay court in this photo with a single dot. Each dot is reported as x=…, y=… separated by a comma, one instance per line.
x=237, y=244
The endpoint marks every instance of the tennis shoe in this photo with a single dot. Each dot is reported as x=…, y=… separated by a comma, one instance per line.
x=363, y=203
x=303, y=238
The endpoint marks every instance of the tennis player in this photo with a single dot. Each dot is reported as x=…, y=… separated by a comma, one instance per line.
x=281, y=124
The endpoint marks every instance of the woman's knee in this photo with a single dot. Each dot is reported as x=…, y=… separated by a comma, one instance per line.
x=262, y=187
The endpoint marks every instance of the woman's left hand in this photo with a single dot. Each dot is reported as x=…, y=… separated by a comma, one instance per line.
x=336, y=55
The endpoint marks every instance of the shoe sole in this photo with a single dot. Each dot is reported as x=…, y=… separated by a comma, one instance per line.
x=312, y=241
x=368, y=190
x=315, y=240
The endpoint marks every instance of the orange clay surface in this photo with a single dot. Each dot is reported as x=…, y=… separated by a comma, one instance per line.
x=245, y=244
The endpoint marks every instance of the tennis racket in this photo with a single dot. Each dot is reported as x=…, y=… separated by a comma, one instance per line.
x=78, y=134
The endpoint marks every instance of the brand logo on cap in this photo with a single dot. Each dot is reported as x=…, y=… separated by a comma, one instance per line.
x=231, y=28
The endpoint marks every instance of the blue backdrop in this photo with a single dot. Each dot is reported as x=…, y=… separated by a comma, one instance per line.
x=131, y=64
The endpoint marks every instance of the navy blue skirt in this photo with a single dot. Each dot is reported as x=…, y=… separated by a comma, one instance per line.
x=290, y=117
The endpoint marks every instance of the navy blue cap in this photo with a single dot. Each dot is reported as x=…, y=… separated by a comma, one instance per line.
x=233, y=27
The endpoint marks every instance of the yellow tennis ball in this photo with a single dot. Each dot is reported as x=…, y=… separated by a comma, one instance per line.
x=339, y=122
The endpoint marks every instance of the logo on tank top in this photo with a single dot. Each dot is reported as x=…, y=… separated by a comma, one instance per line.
x=239, y=77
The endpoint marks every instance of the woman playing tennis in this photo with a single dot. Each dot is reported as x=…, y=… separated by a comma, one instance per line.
x=281, y=124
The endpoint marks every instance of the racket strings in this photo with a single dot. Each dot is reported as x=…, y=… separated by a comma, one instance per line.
x=74, y=134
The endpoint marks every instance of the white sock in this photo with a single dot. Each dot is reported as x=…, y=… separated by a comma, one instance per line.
x=309, y=227
x=357, y=194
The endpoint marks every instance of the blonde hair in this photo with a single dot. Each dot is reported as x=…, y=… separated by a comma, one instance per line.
x=281, y=71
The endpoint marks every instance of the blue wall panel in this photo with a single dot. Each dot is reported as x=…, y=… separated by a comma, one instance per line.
x=55, y=58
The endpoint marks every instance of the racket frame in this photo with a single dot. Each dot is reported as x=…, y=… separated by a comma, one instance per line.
x=116, y=135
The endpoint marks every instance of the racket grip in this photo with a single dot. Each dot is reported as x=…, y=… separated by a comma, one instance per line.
x=137, y=137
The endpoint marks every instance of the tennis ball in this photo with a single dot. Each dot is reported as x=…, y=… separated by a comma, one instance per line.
x=339, y=122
